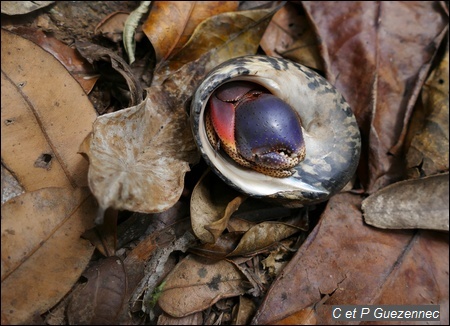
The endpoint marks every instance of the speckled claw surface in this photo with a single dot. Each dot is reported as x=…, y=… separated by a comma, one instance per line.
x=256, y=129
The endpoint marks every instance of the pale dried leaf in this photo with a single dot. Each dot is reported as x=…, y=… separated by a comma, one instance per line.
x=197, y=283
x=263, y=235
x=138, y=156
x=192, y=319
x=45, y=117
x=22, y=7
x=212, y=203
x=410, y=204
x=244, y=311
x=42, y=249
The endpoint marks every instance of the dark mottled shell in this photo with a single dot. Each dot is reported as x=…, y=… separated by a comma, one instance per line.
x=330, y=131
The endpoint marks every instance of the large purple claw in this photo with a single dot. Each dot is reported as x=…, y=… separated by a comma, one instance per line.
x=268, y=132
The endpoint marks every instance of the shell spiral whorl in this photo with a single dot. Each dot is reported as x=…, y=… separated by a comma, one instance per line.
x=331, y=135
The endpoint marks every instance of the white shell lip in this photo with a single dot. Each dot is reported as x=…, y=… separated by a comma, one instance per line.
x=292, y=83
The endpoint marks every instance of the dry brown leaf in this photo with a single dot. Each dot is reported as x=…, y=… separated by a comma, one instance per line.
x=42, y=249
x=93, y=52
x=428, y=149
x=354, y=263
x=99, y=301
x=76, y=65
x=22, y=7
x=262, y=236
x=192, y=319
x=138, y=156
x=225, y=244
x=168, y=35
x=290, y=36
x=378, y=55
x=197, y=283
x=244, y=311
x=45, y=117
x=111, y=26
x=212, y=203
x=305, y=316
x=226, y=35
x=411, y=204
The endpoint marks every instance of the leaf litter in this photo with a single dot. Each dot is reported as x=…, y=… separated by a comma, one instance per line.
x=326, y=269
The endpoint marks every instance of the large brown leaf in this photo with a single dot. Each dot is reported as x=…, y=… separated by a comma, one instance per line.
x=354, y=263
x=45, y=117
x=42, y=252
x=168, y=35
x=377, y=54
x=197, y=283
x=227, y=35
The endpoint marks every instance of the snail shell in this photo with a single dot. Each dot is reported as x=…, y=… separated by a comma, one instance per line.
x=330, y=132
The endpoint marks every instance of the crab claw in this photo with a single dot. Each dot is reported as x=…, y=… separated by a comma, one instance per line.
x=268, y=132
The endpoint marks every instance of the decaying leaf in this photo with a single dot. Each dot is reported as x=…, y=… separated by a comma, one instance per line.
x=290, y=36
x=410, y=204
x=428, y=149
x=42, y=249
x=45, y=117
x=244, y=311
x=212, y=203
x=354, y=263
x=93, y=52
x=111, y=26
x=22, y=7
x=378, y=54
x=138, y=156
x=226, y=35
x=76, y=65
x=261, y=236
x=220, y=249
x=99, y=301
x=168, y=35
x=197, y=283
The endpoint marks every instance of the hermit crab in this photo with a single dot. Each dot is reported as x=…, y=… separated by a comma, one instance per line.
x=275, y=129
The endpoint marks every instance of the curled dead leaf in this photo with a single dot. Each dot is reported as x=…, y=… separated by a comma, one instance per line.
x=168, y=35
x=212, y=203
x=197, y=283
x=261, y=236
x=227, y=35
x=138, y=156
x=411, y=204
